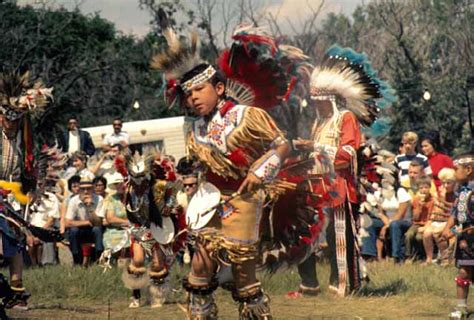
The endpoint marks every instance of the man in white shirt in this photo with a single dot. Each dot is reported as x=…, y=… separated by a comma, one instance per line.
x=117, y=139
x=83, y=219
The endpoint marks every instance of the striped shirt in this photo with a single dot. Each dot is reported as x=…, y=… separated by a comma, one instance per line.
x=402, y=162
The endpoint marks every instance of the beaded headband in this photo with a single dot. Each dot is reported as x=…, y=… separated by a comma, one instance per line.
x=198, y=79
x=465, y=160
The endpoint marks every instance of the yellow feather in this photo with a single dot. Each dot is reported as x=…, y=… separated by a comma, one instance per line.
x=15, y=188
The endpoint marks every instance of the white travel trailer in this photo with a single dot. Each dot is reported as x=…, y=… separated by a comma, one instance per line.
x=167, y=134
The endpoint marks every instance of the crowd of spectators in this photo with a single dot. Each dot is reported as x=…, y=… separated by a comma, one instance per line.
x=406, y=217
x=87, y=204
x=403, y=219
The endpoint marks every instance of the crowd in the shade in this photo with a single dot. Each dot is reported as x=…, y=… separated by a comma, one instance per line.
x=405, y=216
x=400, y=218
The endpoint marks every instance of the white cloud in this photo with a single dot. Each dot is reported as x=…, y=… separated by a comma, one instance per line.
x=295, y=12
x=129, y=18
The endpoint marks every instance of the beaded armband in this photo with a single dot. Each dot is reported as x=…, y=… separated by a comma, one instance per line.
x=268, y=168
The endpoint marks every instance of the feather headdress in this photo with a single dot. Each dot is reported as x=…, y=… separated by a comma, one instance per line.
x=18, y=96
x=177, y=59
x=348, y=77
x=51, y=163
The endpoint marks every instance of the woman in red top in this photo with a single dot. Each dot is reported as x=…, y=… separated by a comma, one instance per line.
x=430, y=144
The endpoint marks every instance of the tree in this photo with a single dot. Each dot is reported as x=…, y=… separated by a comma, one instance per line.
x=96, y=72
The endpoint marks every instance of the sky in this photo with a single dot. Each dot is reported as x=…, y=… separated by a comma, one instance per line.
x=129, y=18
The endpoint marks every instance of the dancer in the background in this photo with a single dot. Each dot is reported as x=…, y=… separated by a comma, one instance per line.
x=343, y=90
x=462, y=215
x=18, y=98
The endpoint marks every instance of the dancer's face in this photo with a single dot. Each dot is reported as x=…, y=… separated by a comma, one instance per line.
x=203, y=98
x=324, y=107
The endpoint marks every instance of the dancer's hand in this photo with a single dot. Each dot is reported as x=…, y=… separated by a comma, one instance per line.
x=304, y=145
x=166, y=211
x=251, y=183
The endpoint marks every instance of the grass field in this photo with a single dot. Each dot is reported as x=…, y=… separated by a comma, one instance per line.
x=409, y=291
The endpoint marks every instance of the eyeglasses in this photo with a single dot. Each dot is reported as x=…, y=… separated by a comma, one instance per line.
x=189, y=185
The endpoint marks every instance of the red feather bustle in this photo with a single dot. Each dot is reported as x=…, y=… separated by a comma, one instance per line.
x=169, y=170
x=120, y=166
x=267, y=83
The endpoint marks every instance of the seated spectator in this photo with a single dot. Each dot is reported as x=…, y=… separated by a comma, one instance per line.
x=402, y=220
x=402, y=161
x=422, y=206
x=100, y=185
x=430, y=145
x=79, y=162
x=73, y=185
x=409, y=182
x=64, y=254
x=84, y=223
x=371, y=223
x=439, y=217
x=115, y=215
x=44, y=212
x=190, y=184
x=385, y=206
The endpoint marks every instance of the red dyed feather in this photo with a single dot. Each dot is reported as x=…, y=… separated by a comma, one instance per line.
x=120, y=166
x=268, y=83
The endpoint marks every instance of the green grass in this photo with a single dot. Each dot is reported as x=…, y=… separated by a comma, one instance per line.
x=395, y=292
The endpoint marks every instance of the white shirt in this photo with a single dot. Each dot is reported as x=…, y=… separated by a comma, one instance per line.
x=404, y=196
x=73, y=142
x=112, y=138
x=48, y=208
x=76, y=210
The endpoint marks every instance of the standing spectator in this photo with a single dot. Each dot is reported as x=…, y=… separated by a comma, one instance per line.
x=75, y=139
x=430, y=146
x=422, y=206
x=439, y=217
x=402, y=161
x=116, y=140
x=83, y=221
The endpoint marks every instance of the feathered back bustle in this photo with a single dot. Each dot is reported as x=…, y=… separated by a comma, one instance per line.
x=18, y=96
x=259, y=70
